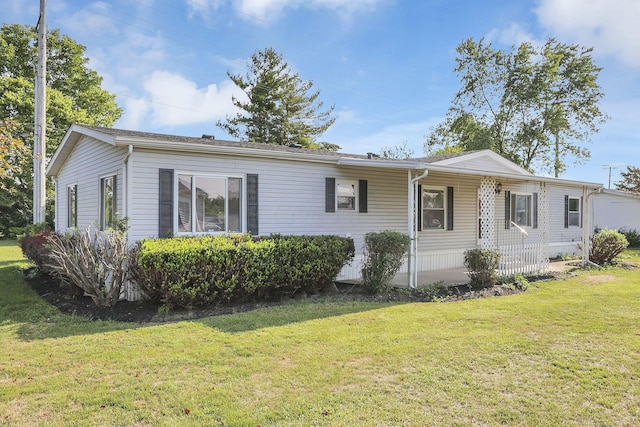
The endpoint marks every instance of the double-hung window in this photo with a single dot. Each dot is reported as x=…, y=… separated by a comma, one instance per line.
x=522, y=209
x=573, y=212
x=346, y=193
x=209, y=204
x=108, y=200
x=433, y=208
x=72, y=206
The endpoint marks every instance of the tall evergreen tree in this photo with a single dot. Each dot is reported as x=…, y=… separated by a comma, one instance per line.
x=279, y=108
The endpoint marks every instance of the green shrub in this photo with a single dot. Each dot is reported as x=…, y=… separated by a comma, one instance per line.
x=384, y=254
x=203, y=270
x=633, y=237
x=606, y=245
x=482, y=265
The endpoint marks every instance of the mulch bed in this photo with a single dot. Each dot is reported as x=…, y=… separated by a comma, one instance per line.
x=69, y=301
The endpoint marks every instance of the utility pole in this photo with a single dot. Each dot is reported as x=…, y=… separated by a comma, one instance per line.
x=610, y=167
x=40, y=122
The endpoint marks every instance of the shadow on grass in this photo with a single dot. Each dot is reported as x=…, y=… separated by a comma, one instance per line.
x=314, y=308
x=37, y=319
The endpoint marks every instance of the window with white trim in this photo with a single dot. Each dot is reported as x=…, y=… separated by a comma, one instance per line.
x=209, y=204
x=346, y=195
x=108, y=200
x=433, y=208
x=522, y=209
x=574, y=212
x=72, y=206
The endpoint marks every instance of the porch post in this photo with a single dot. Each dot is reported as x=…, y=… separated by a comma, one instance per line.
x=410, y=229
x=412, y=264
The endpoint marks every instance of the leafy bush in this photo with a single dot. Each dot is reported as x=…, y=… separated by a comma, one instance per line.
x=384, y=254
x=606, y=245
x=482, y=265
x=633, y=237
x=34, y=247
x=191, y=271
x=93, y=261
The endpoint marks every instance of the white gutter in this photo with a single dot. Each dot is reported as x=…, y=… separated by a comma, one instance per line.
x=413, y=228
x=586, y=225
x=515, y=176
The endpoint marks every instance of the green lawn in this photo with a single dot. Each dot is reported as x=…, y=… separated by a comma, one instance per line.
x=563, y=353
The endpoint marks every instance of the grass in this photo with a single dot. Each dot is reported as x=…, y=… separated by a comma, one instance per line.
x=563, y=353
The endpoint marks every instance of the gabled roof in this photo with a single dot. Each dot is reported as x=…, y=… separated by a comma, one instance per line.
x=482, y=162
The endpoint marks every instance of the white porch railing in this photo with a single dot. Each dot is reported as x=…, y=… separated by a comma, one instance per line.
x=518, y=255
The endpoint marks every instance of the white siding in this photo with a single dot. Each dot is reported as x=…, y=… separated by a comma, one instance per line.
x=89, y=160
x=291, y=194
x=561, y=239
x=465, y=215
x=616, y=211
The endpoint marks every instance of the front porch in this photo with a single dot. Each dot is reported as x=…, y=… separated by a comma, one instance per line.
x=456, y=276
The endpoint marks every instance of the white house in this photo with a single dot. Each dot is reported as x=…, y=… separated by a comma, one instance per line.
x=174, y=185
x=616, y=210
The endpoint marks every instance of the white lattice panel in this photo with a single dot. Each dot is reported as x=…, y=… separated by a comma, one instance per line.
x=543, y=225
x=487, y=201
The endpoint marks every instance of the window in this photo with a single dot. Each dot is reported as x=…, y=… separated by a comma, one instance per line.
x=573, y=214
x=346, y=195
x=522, y=209
x=72, y=206
x=108, y=200
x=209, y=204
x=433, y=208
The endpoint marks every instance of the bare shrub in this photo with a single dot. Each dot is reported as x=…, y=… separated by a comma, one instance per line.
x=94, y=261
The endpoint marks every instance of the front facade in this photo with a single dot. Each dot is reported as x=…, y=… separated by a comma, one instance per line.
x=170, y=185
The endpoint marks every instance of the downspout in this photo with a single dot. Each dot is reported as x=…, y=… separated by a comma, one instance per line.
x=413, y=228
x=586, y=226
x=126, y=201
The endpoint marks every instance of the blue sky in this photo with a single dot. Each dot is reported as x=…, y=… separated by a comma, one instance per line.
x=386, y=65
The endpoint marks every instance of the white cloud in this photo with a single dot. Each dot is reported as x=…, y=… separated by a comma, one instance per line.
x=611, y=27
x=514, y=35
x=90, y=21
x=412, y=133
x=174, y=100
x=267, y=11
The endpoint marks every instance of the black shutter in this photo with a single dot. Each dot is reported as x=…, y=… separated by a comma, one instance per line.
x=252, y=204
x=330, y=195
x=165, y=208
x=362, y=196
x=419, y=208
x=581, y=207
x=507, y=209
x=566, y=211
x=449, y=208
x=535, y=210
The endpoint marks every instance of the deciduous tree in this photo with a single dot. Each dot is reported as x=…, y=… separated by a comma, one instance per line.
x=534, y=105
x=74, y=95
x=630, y=180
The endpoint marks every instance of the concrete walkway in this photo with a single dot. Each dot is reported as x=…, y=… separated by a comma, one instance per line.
x=456, y=276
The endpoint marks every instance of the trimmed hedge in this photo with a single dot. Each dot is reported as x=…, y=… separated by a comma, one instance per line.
x=204, y=270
